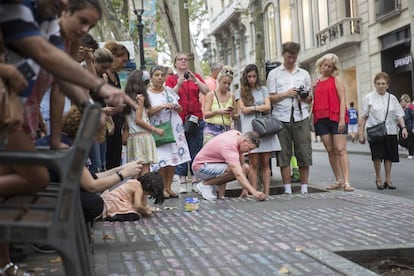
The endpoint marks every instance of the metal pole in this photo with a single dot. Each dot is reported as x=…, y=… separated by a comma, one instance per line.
x=141, y=42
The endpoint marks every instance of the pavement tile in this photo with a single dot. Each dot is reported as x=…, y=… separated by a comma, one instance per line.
x=293, y=233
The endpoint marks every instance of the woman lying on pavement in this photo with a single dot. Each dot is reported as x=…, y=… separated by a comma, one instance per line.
x=92, y=203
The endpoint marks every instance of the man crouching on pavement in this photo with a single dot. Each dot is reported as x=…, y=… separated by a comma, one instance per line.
x=221, y=160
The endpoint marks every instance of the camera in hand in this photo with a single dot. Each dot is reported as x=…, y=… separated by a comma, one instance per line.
x=186, y=75
x=302, y=93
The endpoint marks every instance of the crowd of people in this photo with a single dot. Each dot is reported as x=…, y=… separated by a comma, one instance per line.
x=52, y=60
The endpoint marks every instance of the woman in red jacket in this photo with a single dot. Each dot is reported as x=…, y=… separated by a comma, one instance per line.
x=330, y=118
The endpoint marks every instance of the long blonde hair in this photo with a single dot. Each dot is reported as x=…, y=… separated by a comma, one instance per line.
x=332, y=57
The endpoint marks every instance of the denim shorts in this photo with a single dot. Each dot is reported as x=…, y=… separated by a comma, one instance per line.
x=210, y=170
x=326, y=126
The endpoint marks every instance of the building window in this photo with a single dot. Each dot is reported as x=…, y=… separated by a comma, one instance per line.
x=270, y=27
x=387, y=8
x=234, y=42
x=285, y=20
x=350, y=8
x=242, y=43
x=307, y=23
x=323, y=14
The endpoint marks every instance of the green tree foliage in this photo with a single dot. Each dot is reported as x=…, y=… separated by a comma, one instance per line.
x=117, y=17
x=166, y=39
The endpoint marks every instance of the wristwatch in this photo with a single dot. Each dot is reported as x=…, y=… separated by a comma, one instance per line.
x=120, y=175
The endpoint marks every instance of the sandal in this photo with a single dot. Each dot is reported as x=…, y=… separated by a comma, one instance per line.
x=335, y=186
x=348, y=188
x=14, y=269
x=172, y=194
x=379, y=184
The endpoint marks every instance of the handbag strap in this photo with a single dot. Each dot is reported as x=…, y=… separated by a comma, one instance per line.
x=218, y=102
x=166, y=96
x=388, y=106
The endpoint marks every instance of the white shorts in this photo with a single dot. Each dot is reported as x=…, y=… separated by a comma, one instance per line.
x=352, y=128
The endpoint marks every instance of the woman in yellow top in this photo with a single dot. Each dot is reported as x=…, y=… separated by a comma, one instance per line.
x=219, y=106
x=219, y=110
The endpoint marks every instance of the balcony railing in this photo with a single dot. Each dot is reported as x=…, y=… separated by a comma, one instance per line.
x=343, y=28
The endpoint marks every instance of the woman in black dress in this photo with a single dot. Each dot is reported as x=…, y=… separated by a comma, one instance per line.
x=114, y=142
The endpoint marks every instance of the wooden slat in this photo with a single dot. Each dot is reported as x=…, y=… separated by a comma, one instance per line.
x=37, y=216
x=9, y=214
x=20, y=199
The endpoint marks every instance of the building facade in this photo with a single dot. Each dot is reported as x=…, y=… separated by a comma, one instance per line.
x=368, y=36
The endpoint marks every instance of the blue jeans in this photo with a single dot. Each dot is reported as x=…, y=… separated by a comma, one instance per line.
x=195, y=143
x=98, y=157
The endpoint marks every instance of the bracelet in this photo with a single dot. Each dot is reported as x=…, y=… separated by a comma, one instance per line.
x=86, y=104
x=404, y=127
x=98, y=87
x=120, y=175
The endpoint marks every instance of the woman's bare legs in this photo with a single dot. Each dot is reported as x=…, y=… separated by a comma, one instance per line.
x=252, y=173
x=265, y=168
x=387, y=168
x=22, y=179
x=167, y=175
x=342, y=156
x=328, y=142
x=377, y=168
x=253, y=164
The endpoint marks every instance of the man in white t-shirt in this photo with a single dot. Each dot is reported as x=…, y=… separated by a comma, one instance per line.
x=289, y=88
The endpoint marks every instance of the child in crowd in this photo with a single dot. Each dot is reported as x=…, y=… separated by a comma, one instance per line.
x=140, y=143
x=353, y=122
x=129, y=201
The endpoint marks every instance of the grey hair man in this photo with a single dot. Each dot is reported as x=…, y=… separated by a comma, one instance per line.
x=222, y=160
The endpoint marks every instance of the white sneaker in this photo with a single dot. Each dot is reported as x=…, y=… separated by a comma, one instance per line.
x=304, y=189
x=206, y=191
x=288, y=189
x=194, y=187
x=183, y=189
x=410, y=157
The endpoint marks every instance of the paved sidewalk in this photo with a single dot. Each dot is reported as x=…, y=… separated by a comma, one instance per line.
x=287, y=234
x=357, y=148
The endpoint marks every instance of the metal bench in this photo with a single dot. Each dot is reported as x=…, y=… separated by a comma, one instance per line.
x=54, y=217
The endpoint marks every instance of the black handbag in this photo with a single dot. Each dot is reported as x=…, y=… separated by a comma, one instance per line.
x=379, y=131
x=267, y=125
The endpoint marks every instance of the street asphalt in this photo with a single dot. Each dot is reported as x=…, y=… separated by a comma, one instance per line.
x=285, y=235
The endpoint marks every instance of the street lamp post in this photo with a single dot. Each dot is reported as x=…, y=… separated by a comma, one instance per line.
x=139, y=10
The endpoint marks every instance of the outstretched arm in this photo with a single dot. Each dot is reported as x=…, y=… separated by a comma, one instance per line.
x=238, y=172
